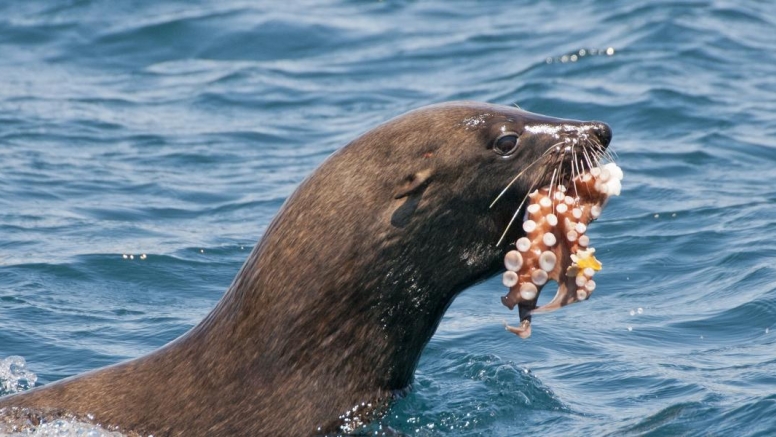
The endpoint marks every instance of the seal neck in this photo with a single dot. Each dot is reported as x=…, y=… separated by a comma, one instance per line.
x=337, y=326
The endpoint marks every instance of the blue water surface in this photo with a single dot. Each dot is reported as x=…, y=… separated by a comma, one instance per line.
x=176, y=129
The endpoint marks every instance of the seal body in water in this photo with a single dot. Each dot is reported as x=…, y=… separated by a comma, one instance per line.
x=327, y=318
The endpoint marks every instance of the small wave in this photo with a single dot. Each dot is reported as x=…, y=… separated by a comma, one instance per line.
x=468, y=394
x=68, y=427
x=15, y=376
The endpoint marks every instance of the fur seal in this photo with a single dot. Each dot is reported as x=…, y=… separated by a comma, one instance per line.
x=328, y=316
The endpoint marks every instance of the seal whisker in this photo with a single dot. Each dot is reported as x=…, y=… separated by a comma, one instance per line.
x=552, y=179
x=591, y=158
x=517, y=211
x=575, y=170
x=562, y=177
x=528, y=167
x=610, y=156
x=513, y=181
x=533, y=186
x=597, y=150
x=604, y=152
x=600, y=150
x=587, y=158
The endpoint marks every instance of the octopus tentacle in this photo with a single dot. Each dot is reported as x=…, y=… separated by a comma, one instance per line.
x=555, y=245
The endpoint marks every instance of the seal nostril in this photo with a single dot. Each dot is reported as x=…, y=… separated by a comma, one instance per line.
x=603, y=132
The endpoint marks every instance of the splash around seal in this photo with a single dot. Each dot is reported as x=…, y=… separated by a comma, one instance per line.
x=327, y=318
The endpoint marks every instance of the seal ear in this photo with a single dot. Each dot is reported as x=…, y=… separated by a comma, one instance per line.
x=415, y=183
x=412, y=190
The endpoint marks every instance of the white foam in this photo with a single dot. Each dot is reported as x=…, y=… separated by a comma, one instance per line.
x=68, y=427
x=14, y=378
x=14, y=375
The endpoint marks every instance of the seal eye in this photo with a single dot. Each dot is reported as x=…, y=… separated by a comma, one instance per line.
x=506, y=144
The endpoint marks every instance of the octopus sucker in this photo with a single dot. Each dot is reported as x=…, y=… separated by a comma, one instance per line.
x=555, y=246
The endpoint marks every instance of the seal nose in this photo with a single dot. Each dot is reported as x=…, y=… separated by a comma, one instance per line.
x=603, y=132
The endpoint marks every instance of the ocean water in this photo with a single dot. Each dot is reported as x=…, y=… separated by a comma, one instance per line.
x=146, y=145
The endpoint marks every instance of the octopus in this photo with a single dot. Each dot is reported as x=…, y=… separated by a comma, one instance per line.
x=556, y=246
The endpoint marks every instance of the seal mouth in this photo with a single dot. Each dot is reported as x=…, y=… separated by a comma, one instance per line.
x=555, y=246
